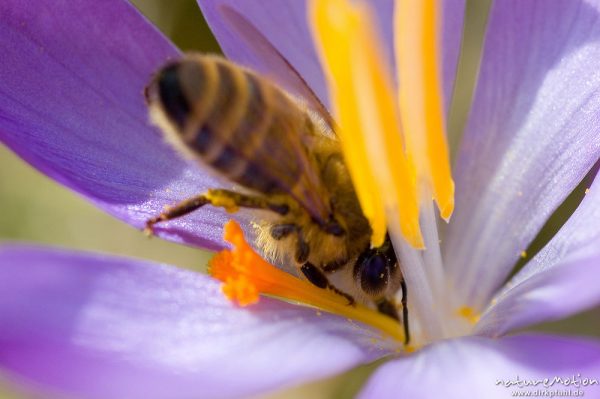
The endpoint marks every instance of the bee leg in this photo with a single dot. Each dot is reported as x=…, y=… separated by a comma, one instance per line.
x=302, y=250
x=281, y=231
x=231, y=200
x=405, y=312
x=223, y=198
x=388, y=308
x=313, y=273
x=333, y=227
x=334, y=266
x=180, y=209
x=318, y=278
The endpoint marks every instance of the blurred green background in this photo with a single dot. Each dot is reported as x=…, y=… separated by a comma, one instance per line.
x=36, y=209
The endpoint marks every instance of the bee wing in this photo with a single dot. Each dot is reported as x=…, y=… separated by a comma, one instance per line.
x=286, y=158
x=242, y=125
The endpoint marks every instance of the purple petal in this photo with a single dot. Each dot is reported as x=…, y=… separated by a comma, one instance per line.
x=533, y=133
x=95, y=326
x=476, y=367
x=271, y=37
x=274, y=37
x=71, y=105
x=562, y=279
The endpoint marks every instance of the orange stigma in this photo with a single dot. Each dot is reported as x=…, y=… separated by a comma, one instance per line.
x=245, y=276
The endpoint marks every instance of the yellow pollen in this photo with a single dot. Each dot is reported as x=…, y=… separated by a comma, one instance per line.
x=523, y=254
x=222, y=201
x=245, y=275
x=469, y=313
x=587, y=190
x=416, y=41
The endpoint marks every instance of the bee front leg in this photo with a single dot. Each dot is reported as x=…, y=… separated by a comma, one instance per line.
x=318, y=278
x=334, y=266
x=313, y=273
x=405, y=312
x=389, y=308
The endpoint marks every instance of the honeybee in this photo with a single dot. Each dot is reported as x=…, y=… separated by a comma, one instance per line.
x=285, y=160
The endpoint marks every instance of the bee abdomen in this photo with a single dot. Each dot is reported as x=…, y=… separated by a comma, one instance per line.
x=231, y=118
x=173, y=99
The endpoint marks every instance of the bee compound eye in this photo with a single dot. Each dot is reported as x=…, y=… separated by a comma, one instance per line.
x=372, y=273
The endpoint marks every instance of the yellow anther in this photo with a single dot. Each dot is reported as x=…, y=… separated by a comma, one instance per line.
x=365, y=107
x=416, y=25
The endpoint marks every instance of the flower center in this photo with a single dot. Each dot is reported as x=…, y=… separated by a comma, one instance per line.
x=394, y=144
x=245, y=275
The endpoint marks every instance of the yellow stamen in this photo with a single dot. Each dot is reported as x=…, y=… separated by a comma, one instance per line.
x=245, y=275
x=523, y=254
x=469, y=313
x=365, y=107
x=416, y=24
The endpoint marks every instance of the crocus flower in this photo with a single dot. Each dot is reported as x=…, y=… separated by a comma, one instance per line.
x=96, y=326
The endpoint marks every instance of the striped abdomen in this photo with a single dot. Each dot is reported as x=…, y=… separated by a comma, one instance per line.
x=237, y=122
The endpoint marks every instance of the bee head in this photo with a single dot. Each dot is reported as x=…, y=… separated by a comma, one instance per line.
x=375, y=269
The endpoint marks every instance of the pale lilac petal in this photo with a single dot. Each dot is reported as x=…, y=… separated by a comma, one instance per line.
x=477, y=367
x=533, y=133
x=95, y=326
x=452, y=30
x=579, y=236
x=562, y=279
x=71, y=104
x=274, y=37
x=552, y=294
